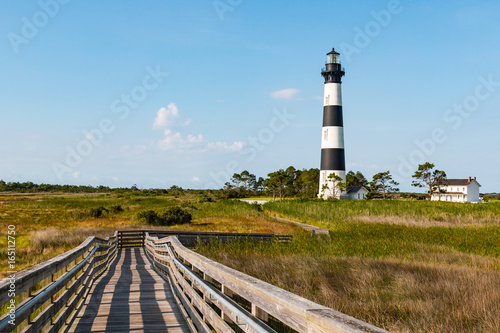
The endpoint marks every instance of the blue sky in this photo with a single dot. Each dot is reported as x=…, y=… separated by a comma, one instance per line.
x=157, y=93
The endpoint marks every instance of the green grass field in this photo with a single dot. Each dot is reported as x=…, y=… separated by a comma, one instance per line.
x=47, y=225
x=406, y=266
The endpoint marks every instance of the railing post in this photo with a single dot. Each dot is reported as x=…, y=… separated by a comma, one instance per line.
x=229, y=293
x=259, y=313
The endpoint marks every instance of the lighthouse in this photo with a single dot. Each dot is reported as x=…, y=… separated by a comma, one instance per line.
x=332, y=136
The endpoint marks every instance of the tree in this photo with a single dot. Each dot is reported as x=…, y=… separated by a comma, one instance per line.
x=276, y=183
x=333, y=187
x=426, y=176
x=361, y=179
x=248, y=179
x=308, y=182
x=292, y=186
x=351, y=179
x=243, y=183
x=356, y=179
x=383, y=182
x=258, y=188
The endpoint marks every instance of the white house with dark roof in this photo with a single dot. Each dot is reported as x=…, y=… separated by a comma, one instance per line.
x=356, y=192
x=458, y=190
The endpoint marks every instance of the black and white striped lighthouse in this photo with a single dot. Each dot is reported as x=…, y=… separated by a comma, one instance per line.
x=332, y=139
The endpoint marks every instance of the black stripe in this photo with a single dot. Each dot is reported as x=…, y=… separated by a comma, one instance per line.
x=332, y=115
x=332, y=159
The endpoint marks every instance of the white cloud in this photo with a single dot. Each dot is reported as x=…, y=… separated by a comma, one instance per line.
x=164, y=116
x=194, y=139
x=235, y=146
x=195, y=143
x=181, y=142
x=170, y=140
x=195, y=179
x=285, y=93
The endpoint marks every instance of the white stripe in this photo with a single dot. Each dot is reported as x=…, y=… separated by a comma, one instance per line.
x=333, y=94
x=323, y=175
x=332, y=137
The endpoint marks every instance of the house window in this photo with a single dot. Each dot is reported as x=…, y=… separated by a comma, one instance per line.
x=463, y=189
x=325, y=137
x=327, y=99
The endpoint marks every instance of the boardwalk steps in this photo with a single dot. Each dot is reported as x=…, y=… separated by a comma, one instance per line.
x=148, y=281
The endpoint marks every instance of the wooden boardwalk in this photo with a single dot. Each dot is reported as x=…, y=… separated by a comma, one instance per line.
x=130, y=297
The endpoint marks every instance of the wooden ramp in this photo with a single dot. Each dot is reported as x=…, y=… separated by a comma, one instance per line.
x=130, y=297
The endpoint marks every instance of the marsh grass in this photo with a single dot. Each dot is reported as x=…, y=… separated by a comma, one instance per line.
x=407, y=266
x=428, y=289
x=49, y=225
x=401, y=265
x=404, y=212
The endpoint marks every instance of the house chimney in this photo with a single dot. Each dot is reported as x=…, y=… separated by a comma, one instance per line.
x=474, y=178
x=360, y=184
x=469, y=179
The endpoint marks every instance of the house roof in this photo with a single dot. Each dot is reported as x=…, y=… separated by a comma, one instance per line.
x=354, y=189
x=458, y=182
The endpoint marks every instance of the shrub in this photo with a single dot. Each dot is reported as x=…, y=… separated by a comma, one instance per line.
x=150, y=216
x=116, y=209
x=169, y=216
x=96, y=212
x=174, y=215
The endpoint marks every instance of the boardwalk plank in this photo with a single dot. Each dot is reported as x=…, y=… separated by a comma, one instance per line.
x=130, y=297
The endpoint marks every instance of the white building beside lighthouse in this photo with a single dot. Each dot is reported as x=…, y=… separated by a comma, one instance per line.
x=332, y=137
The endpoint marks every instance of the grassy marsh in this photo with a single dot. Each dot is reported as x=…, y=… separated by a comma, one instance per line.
x=407, y=266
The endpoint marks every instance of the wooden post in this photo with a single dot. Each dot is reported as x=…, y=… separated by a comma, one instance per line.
x=209, y=280
x=228, y=292
x=259, y=313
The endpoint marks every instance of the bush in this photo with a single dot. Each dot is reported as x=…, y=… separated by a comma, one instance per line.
x=116, y=209
x=96, y=212
x=150, y=216
x=169, y=216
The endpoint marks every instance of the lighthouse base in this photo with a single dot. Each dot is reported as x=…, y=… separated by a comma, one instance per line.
x=329, y=187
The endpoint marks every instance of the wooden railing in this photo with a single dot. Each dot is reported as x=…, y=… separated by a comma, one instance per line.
x=135, y=238
x=218, y=298
x=48, y=296
x=212, y=296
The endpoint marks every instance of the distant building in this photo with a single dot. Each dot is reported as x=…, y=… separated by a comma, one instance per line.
x=356, y=192
x=458, y=190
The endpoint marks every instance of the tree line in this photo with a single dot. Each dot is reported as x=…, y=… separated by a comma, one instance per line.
x=30, y=187
x=289, y=182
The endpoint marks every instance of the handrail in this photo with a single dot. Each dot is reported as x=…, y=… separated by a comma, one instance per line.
x=266, y=300
x=71, y=276
x=200, y=286
x=242, y=317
